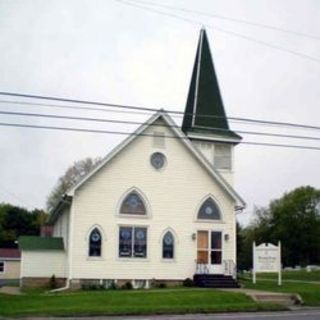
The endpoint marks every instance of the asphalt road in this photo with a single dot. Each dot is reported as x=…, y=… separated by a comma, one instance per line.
x=288, y=315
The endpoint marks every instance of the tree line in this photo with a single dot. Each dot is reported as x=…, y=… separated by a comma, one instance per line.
x=293, y=219
x=16, y=221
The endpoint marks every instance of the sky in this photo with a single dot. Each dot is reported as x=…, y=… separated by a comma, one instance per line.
x=113, y=51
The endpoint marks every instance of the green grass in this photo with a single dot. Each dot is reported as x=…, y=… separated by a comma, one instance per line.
x=310, y=293
x=128, y=302
x=301, y=275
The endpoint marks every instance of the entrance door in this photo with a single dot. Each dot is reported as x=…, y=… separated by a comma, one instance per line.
x=209, y=250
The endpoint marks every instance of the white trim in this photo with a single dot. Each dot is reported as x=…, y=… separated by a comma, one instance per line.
x=175, y=245
x=143, y=197
x=212, y=137
x=132, y=258
x=104, y=239
x=96, y=226
x=215, y=174
x=209, y=230
x=197, y=79
x=9, y=259
x=208, y=196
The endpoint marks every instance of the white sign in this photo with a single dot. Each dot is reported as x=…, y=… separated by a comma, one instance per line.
x=266, y=258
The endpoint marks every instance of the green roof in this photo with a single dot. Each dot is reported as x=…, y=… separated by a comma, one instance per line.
x=204, y=108
x=40, y=243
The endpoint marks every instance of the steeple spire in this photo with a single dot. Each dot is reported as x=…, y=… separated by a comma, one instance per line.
x=204, y=110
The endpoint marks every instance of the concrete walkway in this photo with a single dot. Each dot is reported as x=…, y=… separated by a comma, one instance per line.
x=10, y=290
x=286, y=299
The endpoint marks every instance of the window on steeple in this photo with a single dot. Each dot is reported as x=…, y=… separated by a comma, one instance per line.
x=222, y=156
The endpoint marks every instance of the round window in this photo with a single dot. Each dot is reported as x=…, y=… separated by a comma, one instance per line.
x=158, y=160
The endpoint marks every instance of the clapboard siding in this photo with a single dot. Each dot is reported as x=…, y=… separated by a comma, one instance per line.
x=174, y=195
x=43, y=264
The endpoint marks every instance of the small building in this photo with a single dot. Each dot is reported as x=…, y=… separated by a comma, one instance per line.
x=10, y=261
x=161, y=207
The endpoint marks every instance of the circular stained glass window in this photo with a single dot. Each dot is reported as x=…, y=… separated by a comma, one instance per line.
x=140, y=235
x=158, y=160
x=125, y=234
x=133, y=201
x=95, y=236
x=168, y=239
x=208, y=210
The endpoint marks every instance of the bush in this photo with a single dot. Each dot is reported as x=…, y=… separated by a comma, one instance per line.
x=188, y=282
x=53, y=282
x=127, y=286
x=162, y=285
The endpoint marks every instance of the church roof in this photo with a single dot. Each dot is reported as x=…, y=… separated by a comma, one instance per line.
x=204, y=112
x=35, y=243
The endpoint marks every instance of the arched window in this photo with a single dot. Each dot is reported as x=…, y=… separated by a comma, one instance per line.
x=133, y=204
x=168, y=245
x=95, y=243
x=209, y=210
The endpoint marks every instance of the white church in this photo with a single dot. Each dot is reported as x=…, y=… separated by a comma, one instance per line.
x=159, y=208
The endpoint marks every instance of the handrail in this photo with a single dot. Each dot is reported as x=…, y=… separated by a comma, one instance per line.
x=230, y=268
x=202, y=268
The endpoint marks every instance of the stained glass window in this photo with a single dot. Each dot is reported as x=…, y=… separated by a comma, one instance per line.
x=133, y=242
x=133, y=204
x=95, y=243
x=168, y=246
x=209, y=210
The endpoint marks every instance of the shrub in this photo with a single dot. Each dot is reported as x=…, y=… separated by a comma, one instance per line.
x=162, y=285
x=127, y=286
x=188, y=282
x=53, y=282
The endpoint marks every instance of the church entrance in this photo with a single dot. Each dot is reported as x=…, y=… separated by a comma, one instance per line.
x=209, y=250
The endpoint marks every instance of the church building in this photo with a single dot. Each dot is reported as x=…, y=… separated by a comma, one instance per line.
x=159, y=208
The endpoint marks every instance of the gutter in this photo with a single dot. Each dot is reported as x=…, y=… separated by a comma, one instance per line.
x=66, y=287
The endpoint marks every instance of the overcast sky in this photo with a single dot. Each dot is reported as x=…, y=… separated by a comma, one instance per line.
x=109, y=51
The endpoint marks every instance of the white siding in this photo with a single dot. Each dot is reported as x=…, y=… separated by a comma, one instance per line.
x=43, y=264
x=61, y=227
x=208, y=151
x=174, y=195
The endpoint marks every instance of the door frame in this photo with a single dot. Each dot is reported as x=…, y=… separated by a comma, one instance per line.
x=218, y=268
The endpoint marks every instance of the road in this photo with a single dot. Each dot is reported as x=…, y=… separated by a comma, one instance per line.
x=287, y=315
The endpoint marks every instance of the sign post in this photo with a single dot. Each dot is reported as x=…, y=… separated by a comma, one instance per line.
x=266, y=258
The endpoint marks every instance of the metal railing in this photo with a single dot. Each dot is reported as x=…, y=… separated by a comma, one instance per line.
x=230, y=268
x=201, y=268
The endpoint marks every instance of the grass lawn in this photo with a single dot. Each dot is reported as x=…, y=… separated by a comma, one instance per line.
x=117, y=302
x=291, y=275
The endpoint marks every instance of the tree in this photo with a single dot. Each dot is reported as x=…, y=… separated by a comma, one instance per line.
x=73, y=174
x=16, y=221
x=294, y=219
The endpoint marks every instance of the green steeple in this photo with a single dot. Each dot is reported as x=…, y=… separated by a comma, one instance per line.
x=204, y=111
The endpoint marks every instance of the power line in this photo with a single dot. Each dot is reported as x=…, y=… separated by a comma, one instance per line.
x=138, y=108
x=129, y=122
x=19, y=125
x=236, y=34
x=59, y=106
x=237, y=20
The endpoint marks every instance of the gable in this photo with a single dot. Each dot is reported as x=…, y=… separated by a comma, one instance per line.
x=135, y=152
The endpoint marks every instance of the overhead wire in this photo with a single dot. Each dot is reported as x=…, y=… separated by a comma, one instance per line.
x=19, y=125
x=236, y=34
x=130, y=122
x=139, y=108
x=222, y=17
